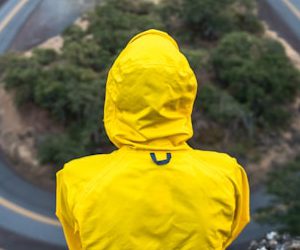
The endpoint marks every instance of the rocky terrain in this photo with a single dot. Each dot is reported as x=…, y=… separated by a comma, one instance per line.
x=276, y=241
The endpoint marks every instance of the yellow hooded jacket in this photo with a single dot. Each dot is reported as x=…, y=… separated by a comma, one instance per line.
x=154, y=192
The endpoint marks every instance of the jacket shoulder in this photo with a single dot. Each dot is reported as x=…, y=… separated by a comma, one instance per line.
x=85, y=164
x=82, y=170
x=221, y=161
x=77, y=174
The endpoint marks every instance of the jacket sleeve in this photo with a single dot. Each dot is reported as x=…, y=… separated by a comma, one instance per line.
x=64, y=213
x=242, y=210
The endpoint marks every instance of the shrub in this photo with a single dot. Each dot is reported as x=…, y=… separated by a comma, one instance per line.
x=69, y=92
x=222, y=108
x=115, y=22
x=209, y=19
x=82, y=138
x=45, y=56
x=86, y=53
x=197, y=58
x=58, y=149
x=74, y=33
x=22, y=75
x=258, y=74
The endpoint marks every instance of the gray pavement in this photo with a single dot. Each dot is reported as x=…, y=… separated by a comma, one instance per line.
x=50, y=18
x=12, y=241
x=289, y=12
x=283, y=16
x=27, y=210
x=8, y=34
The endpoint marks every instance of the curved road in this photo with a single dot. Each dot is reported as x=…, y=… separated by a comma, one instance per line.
x=27, y=219
x=26, y=210
x=13, y=14
x=283, y=16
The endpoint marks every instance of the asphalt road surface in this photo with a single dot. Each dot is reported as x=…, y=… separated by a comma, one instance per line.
x=27, y=213
x=13, y=14
x=12, y=241
x=50, y=18
x=2, y=2
x=283, y=16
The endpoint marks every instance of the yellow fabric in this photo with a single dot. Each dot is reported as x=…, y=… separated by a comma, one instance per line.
x=124, y=200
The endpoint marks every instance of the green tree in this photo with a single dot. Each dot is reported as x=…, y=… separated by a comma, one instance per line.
x=45, y=56
x=87, y=53
x=22, y=74
x=222, y=108
x=60, y=148
x=209, y=19
x=115, y=22
x=68, y=91
x=258, y=74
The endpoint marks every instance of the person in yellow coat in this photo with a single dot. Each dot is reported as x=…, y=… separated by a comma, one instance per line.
x=154, y=192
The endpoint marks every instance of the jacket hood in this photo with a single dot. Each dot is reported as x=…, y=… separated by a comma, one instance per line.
x=150, y=93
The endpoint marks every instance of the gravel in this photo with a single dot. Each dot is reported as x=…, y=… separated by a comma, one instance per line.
x=276, y=241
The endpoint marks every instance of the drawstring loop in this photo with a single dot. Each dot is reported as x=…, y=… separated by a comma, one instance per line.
x=161, y=162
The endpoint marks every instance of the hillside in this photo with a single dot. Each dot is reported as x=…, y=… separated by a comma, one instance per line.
x=204, y=48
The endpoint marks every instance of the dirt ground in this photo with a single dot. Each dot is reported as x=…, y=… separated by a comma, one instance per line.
x=20, y=129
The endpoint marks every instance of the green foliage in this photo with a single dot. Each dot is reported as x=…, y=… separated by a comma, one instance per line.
x=87, y=53
x=45, y=56
x=115, y=22
x=249, y=22
x=23, y=76
x=283, y=184
x=82, y=138
x=73, y=34
x=197, y=58
x=258, y=74
x=222, y=108
x=70, y=84
x=69, y=92
x=60, y=148
x=209, y=19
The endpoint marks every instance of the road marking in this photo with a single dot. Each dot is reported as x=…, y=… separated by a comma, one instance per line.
x=292, y=8
x=27, y=213
x=12, y=14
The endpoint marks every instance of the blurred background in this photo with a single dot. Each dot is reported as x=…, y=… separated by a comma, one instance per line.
x=54, y=59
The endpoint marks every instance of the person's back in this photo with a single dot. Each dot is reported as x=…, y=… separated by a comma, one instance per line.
x=155, y=192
